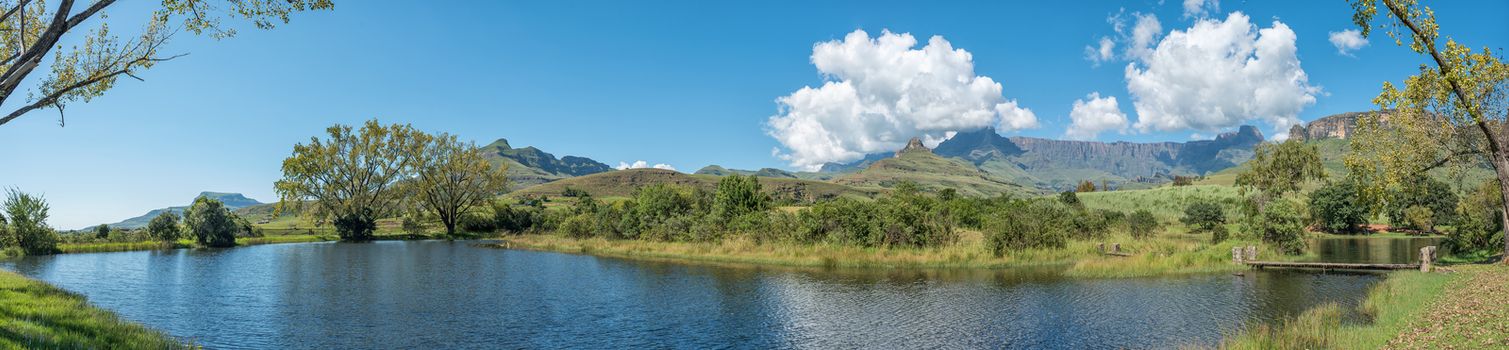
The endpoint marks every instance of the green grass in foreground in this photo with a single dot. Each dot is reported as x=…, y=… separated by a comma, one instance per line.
x=1409, y=310
x=34, y=315
x=1166, y=254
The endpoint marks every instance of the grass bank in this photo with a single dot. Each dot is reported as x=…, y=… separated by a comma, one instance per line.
x=1166, y=254
x=102, y=247
x=35, y=315
x=1462, y=309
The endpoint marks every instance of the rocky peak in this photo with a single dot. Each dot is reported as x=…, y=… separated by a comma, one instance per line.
x=1335, y=126
x=915, y=145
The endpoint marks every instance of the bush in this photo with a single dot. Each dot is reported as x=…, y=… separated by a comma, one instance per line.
x=1070, y=199
x=577, y=226
x=1203, y=216
x=102, y=231
x=210, y=223
x=517, y=219
x=355, y=227
x=1421, y=218
x=164, y=227
x=1282, y=227
x=844, y=220
x=1141, y=224
x=738, y=195
x=1425, y=192
x=1338, y=207
x=1479, y=224
x=1218, y=234
x=25, y=222
x=412, y=226
x=1027, y=225
x=476, y=223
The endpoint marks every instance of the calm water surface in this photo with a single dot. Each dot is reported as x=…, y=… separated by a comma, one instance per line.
x=437, y=294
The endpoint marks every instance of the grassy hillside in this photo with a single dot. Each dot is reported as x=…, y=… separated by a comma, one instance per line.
x=933, y=173
x=624, y=183
x=1166, y=203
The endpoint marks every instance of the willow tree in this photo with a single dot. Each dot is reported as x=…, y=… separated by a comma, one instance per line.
x=1452, y=112
x=31, y=31
x=350, y=179
x=1277, y=169
x=451, y=178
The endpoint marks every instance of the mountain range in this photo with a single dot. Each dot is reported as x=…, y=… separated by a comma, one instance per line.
x=231, y=200
x=530, y=166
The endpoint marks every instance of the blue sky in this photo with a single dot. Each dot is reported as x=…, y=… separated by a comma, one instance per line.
x=687, y=83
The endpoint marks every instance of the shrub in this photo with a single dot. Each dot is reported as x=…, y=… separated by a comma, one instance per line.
x=1218, y=234
x=476, y=223
x=102, y=231
x=1479, y=224
x=1426, y=192
x=738, y=195
x=1089, y=224
x=412, y=226
x=1338, y=208
x=25, y=222
x=1203, y=216
x=355, y=227
x=210, y=223
x=1421, y=218
x=1070, y=199
x=164, y=227
x=517, y=219
x=1281, y=226
x=1027, y=225
x=577, y=226
x=843, y=220
x=1141, y=224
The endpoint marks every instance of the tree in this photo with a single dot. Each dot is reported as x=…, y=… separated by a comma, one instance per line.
x=738, y=195
x=451, y=177
x=1279, y=168
x=25, y=216
x=1085, y=186
x=211, y=223
x=350, y=178
x=1203, y=216
x=1453, y=113
x=1338, y=208
x=1141, y=224
x=1070, y=199
x=164, y=227
x=102, y=231
x=1281, y=226
x=32, y=31
x=1424, y=192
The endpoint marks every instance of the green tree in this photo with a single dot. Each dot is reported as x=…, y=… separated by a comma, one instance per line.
x=31, y=32
x=1028, y=225
x=738, y=195
x=452, y=177
x=1338, y=208
x=164, y=227
x=1425, y=192
x=102, y=231
x=26, y=228
x=1202, y=216
x=350, y=178
x=1451, y=113
x=1070, y=199
x=1277, y=169
x=211, y=223
x=1141, y=224
x=1281, y=226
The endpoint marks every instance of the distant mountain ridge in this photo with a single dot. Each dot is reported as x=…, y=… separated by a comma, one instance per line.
x=1058, y=164
x=231, y=200
x=531, y=166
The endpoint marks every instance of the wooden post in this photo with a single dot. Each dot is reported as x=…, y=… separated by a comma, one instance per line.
x=1236, y=255
x=1116, y=247
x=1251, y=254
x=1427, y=256
x=1102, y=247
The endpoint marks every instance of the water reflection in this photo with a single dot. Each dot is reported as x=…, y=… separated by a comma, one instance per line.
x=1371, y=250
x=455, y=295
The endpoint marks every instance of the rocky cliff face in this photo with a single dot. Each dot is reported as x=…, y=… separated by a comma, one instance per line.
x=914, y=145
x=1335, y=126
x=1133, y=160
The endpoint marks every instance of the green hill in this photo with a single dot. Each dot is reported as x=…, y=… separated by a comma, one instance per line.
x=623, y=183
x=530, y=166
x=231, y=200
x=716, y=170
x=931, y=172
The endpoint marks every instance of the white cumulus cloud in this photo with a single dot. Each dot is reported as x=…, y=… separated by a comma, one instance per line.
x=1103, y=51
x=1201, y=8
x=1219, y=74
x=640, y=164
x=1093, y=115
x=1347, y=41
x=880, y=92
x=1136, y=42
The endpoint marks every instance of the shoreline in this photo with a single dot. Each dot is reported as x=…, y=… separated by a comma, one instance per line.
x=1166, y=255
x=108, y=247
x=47, y=317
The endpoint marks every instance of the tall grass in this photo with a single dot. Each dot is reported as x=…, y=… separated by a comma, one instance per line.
x=1166, y=203
x=34, y=315
x=1391, y=305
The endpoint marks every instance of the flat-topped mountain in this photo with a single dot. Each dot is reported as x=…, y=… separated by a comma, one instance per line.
x=231, y=200
x=531, y=166
x=1335, y=126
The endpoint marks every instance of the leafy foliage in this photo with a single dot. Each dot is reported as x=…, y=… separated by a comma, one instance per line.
x=1204, y=216
x=450, y=178
x=1141, y=224
x=164, y=227
x=211, y=224
x=352, y=178
x=1281, y=168
x=1338, y=208
x=1029, y=224
x=1479, y=224
x=1429, y=194
x=25, y=222
x=1281, y=226
x=739, y=195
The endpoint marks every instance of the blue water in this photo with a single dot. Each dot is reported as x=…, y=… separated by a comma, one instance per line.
x=438, y=294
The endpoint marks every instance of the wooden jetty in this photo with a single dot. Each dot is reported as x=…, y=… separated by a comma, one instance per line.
x=1249, y=256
